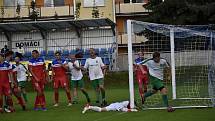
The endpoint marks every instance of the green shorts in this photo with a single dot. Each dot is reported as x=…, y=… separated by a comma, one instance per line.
x=22, y=84
x=97, y=82
x=156, y=83
x=77, y=83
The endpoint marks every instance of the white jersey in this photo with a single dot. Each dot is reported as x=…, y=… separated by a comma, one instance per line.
x=75, y=74
x=95, y=68
x=118, y=106
x=21, y=73
x=156, y=69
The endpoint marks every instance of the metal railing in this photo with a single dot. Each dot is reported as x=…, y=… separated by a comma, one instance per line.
x=14, y=12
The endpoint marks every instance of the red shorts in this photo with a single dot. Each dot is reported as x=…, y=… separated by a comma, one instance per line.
x=5, y=89
x=60, y=82
x=142, y=79
x=39, y=86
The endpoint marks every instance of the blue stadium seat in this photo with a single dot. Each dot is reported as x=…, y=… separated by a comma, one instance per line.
x=50, y=54
x=43, y=53
x=97, y=51
x=27, y=55
x=102, y=52
x=83, y=61
x=72, y=52
x=106, y=61
x=65, y=53
x=86, y=56
x=87, y=51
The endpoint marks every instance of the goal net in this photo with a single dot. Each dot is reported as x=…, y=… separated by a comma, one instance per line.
x=190, y=52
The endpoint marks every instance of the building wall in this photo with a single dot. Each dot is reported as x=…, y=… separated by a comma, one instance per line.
x=40, y=2
x=68, y=2
x=104, y=11
x=1, y=3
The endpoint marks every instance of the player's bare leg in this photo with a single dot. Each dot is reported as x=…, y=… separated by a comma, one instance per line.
x=86, y=95
x=68, y=94
x=101, y=87
x=24, y=94
x=140, y=87
x=56, y=97
x=94, y=108
x=97, y=90
x=1, y=104
x=75, y=96
x=17, y=94
x=10, y=103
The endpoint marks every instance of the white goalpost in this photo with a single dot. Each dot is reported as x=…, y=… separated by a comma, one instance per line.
x=190, y=52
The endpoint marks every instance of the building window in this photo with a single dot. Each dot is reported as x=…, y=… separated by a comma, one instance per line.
x=134, y=1
x=48, y=3
x=21, y=2
x=51, y=3
x=9, y=3
x=59, y=3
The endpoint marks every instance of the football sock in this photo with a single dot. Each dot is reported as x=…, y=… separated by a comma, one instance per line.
x=147, y=94
x=97, y=95
x=25, y=97
x=36, y=103
x=86, y=95
x=56, y=97
x=95, y=108
x=68, y=96
x=103, y=94
x=165, y=100
x=1, y=102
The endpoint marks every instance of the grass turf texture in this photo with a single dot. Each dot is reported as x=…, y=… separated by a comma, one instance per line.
x=117, y=90
x=73, y=113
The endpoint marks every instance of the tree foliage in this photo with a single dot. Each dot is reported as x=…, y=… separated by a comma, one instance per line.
x=182, y=11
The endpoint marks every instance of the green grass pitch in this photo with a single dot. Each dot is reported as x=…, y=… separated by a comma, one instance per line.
x=116, y=90
x=73, y=113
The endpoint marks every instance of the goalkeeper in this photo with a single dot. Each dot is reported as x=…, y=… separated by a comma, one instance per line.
x=123, y=106
x=156, y=67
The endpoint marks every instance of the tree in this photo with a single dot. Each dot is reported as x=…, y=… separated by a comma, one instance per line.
x=182, y=11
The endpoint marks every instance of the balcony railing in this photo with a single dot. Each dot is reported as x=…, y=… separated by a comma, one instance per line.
x=126, y=8
x=123, y=39
x=11, y=12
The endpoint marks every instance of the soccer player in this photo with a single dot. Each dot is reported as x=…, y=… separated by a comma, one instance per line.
x=123, y=106
x=141, y=72
x=14, y=85
x=96, y=74
x=5, y=73
x=37, y=69
x=76, y=78
x=156, y=67
x=60, y=78
x=21, y=77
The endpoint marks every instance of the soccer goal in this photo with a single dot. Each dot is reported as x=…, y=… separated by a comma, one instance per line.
x=190, y=51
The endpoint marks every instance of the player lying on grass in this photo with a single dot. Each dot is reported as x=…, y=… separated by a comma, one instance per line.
x=76, y=78
x=141, y=72
x=123, y=106
x=156, y=67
